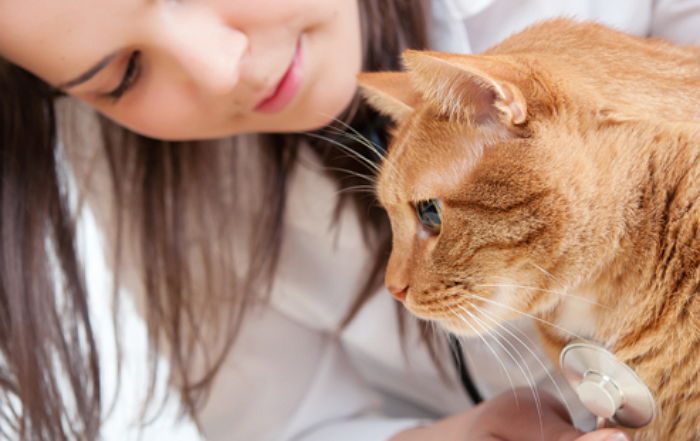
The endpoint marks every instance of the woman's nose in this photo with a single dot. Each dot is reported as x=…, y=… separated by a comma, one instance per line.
x=205, y=51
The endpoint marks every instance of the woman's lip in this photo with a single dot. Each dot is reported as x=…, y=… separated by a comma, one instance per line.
x=287, y=87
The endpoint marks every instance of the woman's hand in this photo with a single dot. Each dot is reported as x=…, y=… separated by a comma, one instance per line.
x=507, y=418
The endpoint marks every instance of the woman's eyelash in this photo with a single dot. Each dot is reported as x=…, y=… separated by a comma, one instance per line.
x=133, y=68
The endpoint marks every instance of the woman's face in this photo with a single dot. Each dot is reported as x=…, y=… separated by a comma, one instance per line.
x=193, y=69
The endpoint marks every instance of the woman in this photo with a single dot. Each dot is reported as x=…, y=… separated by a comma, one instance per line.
x=249, y=243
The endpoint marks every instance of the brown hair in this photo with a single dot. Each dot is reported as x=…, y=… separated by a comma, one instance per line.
x=49, y=369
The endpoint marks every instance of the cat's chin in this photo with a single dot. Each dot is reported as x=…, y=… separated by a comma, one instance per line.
x=465, y=327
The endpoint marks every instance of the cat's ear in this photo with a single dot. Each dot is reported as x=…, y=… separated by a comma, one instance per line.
x=467, y=86
x=391, y=93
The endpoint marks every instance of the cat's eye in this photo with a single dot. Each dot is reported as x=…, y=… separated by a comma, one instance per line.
x=429, y=214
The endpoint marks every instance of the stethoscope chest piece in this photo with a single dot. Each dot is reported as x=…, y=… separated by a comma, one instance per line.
x=607, y=387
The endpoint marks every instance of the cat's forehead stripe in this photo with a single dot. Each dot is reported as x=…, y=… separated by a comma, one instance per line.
x=430, y=158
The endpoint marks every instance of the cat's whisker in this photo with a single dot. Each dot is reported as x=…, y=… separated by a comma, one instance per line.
x=363, y=141
x=523, y=313
x=482, y=337
x=511, y=281
x=357, y=136
x=369, y=163
x=490, y=316
x=376, y=149
x=445, y=333
x=530, y=377
x=390, y=167
x=523, y=366
x=357, y=189
x=544, y=271
x=371, y=180
x=362, y=159
x=561, y=293
x=436, y=330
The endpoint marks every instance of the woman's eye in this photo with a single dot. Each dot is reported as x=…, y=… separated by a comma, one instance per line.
x=429, y=212
x=131, y=73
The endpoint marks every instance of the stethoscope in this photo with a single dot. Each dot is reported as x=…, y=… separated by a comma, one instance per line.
x=608, y=388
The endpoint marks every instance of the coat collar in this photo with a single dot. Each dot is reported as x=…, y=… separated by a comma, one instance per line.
x=448, y=31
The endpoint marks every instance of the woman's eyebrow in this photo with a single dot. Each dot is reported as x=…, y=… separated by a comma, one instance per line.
x=90, y=73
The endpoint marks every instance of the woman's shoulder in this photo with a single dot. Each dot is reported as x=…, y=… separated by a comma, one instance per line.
x=535, y=10
x=476, y=25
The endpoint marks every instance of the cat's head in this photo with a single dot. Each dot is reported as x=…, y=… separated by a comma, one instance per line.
x=489, y=188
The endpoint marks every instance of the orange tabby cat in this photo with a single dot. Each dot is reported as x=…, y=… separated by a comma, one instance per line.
x=555, y=175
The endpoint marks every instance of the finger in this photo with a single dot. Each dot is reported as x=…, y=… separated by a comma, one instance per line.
x=598, y=435
x=491, y=438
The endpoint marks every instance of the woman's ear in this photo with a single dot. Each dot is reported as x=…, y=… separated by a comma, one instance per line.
x=472, y=87
x=390, y=93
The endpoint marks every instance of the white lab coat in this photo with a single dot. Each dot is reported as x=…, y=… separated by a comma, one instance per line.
x=289, y=377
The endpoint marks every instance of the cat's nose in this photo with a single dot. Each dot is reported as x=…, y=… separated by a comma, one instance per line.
x=399, y=292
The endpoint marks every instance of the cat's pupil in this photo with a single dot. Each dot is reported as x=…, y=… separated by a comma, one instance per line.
x=428, y=212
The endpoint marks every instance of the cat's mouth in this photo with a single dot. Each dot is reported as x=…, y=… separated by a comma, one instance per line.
x=466, y=313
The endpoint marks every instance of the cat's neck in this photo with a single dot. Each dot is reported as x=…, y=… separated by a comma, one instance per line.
x=658, y=219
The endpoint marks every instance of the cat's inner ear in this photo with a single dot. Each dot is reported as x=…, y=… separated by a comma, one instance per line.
x=391, y=93
x=467, y=86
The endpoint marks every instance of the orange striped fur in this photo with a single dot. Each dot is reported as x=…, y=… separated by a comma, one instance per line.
x=567, y=162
